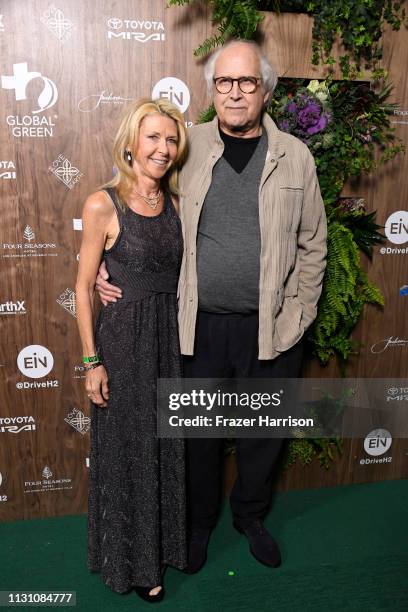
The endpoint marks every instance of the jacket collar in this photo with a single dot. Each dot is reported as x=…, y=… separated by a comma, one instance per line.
x=276, y=145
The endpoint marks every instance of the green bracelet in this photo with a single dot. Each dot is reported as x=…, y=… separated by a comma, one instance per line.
x=92, y=359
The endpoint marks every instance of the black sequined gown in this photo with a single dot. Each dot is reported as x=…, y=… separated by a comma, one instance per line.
x=136, y=510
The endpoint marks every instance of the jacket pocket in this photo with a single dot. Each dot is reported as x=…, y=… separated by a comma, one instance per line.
x=292, y=200
x=288, y=325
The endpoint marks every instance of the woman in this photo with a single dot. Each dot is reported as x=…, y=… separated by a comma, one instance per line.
x=136, y=519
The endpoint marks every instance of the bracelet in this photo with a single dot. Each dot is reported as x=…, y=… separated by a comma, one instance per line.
x=92, y=359
x=92, y=366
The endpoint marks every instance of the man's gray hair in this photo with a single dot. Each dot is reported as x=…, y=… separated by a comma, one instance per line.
x=268, y=72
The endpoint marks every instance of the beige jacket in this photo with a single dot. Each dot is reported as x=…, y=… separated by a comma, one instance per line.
x=293, y=236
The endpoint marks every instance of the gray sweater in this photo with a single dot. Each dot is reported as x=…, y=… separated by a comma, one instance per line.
x=229, y=242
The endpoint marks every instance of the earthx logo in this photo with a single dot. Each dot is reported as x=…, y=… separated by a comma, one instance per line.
x=15, y=425
x=65, y=171
x=7, y=170
x=138, y=30
x=29, y=125
x=67, y=300
x=12, y=308
x=57, y=23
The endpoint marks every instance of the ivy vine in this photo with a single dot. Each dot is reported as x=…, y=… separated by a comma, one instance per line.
x=358, y=24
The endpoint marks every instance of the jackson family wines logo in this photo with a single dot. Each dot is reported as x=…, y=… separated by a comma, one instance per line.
x=137, y=30
x=387, y=343
x=57, y=23
x=7, y=170
x=67, y=300
x=105, y=98
x=29, y=125
x=65, y=171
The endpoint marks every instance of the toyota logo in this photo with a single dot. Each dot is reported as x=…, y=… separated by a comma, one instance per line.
x=114, y=23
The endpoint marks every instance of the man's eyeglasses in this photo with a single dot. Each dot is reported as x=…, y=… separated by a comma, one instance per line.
x=247, y=84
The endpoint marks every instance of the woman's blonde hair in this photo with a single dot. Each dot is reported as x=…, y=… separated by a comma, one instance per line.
x=127, y=138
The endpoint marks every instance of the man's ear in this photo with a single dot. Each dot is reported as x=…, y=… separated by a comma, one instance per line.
x=267, y=98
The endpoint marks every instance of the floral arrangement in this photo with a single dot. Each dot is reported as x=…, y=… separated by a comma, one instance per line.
x=307, y=114
x=343, y=123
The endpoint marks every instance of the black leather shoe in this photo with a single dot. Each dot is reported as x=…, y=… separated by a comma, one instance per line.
x=261, y=544
x=197, y=549
x=143, y=593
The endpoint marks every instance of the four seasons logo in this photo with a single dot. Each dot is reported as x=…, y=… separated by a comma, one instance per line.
x=28, y=234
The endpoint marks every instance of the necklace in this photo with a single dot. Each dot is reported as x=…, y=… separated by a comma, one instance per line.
x=151, y=202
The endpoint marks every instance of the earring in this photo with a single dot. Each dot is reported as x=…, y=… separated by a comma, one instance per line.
x=128, y=157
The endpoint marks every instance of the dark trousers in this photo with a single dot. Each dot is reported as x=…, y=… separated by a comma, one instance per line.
x=226, y=346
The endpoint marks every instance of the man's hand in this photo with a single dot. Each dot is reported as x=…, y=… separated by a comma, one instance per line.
x=107, y=292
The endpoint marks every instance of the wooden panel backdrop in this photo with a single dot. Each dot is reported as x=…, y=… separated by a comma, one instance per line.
x=67, y=71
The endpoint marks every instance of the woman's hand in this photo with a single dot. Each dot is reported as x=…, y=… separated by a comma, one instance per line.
x=96, y=385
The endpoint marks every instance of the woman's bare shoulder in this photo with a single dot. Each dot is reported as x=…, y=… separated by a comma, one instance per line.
x=98, y=204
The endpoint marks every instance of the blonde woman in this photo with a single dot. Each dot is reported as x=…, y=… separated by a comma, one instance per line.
x=136, y=523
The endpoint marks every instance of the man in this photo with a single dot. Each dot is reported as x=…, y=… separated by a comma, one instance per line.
x=254, y=256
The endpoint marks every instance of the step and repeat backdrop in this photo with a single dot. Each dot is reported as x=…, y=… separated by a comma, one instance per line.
x=67, y=70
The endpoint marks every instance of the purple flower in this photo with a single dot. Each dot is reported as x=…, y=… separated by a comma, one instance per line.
x=284, y=125
x=311, y=119
x=291, y=107
x=320, y=125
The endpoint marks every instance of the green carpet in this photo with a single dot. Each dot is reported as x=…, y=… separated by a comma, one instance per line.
x=344, y=549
